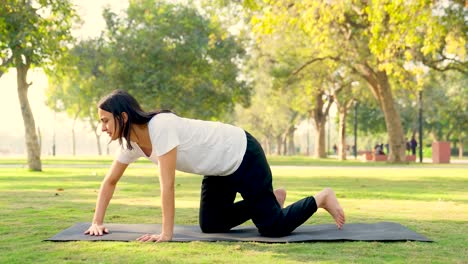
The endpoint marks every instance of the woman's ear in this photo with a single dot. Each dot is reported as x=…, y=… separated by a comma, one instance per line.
x=125, y=117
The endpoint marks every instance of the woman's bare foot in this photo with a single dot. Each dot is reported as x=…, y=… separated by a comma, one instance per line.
x=280, y=195
x=326, y=199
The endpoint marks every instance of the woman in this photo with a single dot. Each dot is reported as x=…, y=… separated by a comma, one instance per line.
x=230, y=158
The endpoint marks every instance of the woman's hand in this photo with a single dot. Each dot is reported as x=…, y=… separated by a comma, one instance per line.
x=96, y=230
x=105, y=194
x=155, y=238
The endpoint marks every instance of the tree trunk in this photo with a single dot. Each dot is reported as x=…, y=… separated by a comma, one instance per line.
x=460, y=146
x=266, y=146
x=291, y=145
x=291, y=148
x=73, y=141
x=98, y=137
x=73, y=133
x=269, y=145
x=342, y=114
x=279, y=143
x=98, y=141
x=32, y=142
x=285, y=144
x=320, y=118
x=342, y=133
x=448, y=136
x=380, y=87
x=39, y=136
x=320, y=141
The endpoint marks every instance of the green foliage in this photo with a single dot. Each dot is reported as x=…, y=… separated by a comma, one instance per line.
x=387, y=43
x=384, y=33
x=369, y=117
x=275, y=110
x=269, y=113
x=79, y=81
x=34, y=33
x=449, y=92
x=169, y=56
x=445, y=116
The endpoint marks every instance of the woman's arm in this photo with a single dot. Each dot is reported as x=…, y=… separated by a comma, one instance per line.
x=105, y=194
x=167, y=167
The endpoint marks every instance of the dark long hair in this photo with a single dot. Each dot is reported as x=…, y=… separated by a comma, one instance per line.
x=120, y=101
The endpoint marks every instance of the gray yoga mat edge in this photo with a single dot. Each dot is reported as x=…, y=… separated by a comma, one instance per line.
x=382, y=231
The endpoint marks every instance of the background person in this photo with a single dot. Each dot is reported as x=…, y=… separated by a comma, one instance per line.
x=413, y=144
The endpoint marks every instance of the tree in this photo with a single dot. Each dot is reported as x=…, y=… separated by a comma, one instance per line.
x=311, y=95
x=377, y=40
x=344, y=97
x=449, y=122
x=32, y=34
x=169, y=56
x=307, y=91
x=270, y=116
x=78, y=83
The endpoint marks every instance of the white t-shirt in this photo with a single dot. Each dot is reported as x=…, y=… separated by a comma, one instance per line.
x=203, y=147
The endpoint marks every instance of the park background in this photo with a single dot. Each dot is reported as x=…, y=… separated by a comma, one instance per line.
x=281, y=78
x=284, y=70
x=50, y=122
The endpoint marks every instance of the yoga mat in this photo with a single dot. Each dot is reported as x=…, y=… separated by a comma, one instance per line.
x=383, y=231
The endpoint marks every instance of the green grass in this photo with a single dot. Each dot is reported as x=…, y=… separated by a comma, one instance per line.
x=273, y=160
x=430, y=200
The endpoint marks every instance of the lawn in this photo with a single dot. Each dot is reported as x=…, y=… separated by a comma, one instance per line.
x=103, y=161
x=431, y=200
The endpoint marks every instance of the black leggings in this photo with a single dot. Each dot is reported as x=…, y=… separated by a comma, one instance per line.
x=219, y=213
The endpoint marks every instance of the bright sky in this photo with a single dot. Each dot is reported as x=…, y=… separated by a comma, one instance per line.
x=12, y=122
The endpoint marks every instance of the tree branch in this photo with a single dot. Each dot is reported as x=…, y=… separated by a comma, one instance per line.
x=295, y=72
x=350, y=103
x=342, y=86
x=330, y=101
x=453, y=65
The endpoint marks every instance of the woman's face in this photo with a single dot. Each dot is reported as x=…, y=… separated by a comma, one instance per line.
x=108, y=124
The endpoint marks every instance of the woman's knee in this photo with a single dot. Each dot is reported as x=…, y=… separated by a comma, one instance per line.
x=276, y=227
x=273, y=231
x=207, y=227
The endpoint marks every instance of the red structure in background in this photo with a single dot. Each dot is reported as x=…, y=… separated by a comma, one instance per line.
x=440, y=152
